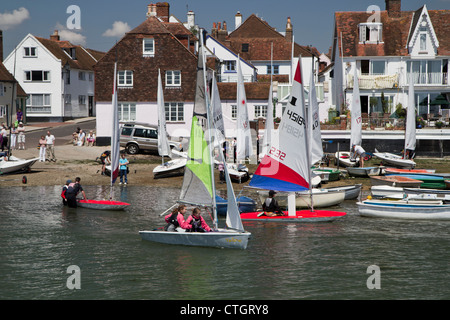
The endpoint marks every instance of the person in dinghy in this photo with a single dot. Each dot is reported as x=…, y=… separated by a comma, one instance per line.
x=175, y=220
x=271, y=207
x=197, y=222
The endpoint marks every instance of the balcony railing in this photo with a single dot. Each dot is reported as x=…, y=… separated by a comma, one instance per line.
x=431, y=78
x=374, y=81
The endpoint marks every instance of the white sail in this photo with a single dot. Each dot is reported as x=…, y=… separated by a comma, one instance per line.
x=338, y=91
x=356, y=120
x=216, y=107
x=163, y=141
x=244, y=144
x=115, y=136
x=316, y=149
x=268, y=132
x=410, y=133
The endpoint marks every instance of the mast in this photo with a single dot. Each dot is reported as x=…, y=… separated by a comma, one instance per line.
x=209, y=128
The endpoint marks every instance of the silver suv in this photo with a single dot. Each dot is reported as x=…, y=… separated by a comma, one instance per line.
x=141, y=136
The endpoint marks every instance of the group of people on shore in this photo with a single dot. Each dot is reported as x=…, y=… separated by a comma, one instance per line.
x=79, y=138
x=17, y=134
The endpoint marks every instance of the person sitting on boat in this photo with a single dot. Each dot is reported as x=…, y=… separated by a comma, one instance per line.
x=271, y=207
x=359, y=151
x=64, y=190
x=175, y=219
x=72, y=192
x=197, y=222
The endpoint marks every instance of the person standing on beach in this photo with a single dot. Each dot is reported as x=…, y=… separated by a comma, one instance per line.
x=123, y=163
x=21, y=136
x=4, y=134
x=50, y=139
x=42, y=145
x=13, y=131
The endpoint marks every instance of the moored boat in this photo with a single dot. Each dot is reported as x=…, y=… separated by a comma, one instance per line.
x=245, y=204
x=395, y=181
x=364, y=172
x=14, y=164
x=102, y=204
x=351, y=192
x=431, y=181
x=394, y=160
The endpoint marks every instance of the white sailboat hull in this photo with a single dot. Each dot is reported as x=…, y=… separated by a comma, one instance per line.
x=345, y=159
x=401, y=210
x=364, y=172
x=351, y=192
x=16, y=164
x=170, y=167
x=223, y=238
x=395, y=160
x=321, y=198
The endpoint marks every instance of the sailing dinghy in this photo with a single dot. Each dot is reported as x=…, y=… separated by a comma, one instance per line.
x=198, y=187
x=287, y=165
x=115, y=155
x=176, y=165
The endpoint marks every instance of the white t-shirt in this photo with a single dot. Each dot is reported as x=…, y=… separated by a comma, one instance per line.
x=50, y=139
x=359, y=150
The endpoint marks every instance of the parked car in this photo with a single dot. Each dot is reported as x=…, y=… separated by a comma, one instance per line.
x=136, y=137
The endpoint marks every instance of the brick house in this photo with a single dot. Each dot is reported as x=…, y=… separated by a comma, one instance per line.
x=156, y=44
x=385, y=47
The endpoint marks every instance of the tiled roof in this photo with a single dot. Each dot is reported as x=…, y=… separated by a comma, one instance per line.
x=83, y=61
x=396, y=32
x=151, y=25
x=5, y=75
x=253, y=90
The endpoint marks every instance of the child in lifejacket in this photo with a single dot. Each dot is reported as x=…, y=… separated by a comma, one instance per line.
x=175, y=219
x=198, y=224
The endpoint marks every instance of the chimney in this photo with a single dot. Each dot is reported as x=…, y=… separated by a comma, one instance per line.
x=190, y=19
x=393, y=7
x=222, y=33
x=237, y=20
x=288, y=34
x=151, y=10
x=1, y=46
x=162, y=11
x=54, y=36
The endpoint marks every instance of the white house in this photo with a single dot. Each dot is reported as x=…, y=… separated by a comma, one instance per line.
x=57, y=76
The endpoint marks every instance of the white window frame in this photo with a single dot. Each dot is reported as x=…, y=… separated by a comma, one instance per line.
x=28, y=76
x=81, y=75
x=125, y=78
x=274, y=68
x=146, y=52
x=29, y=55
x=233, y=112
x=260, y=111
x=374, y=37
x=171, y=78
x=230, y=66
x=174, y=111
x=44, y=108
x=127, y=111
x=81, y=99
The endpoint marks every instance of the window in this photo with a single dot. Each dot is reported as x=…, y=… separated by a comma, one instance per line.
x=173, y=78
x=67, y=98
x=377, y=67
x=38, y=103
x=91, y=76
x=148, y=47
x=233, y=112
x=275, y=68
x=425, y=71
x=1, y=90
x=146, y=133
x=370, y=32
x=245, y=47
x=423, y=39
x=81, y=75
x=37, y=75
x=30, y=52
x=125, y=78
x=230, y=66
x=260, y=111
x=127, y=111
x=3, y=111
x=174, y=111
x=81, y=99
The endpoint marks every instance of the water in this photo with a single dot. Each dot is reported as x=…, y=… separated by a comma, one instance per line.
x=40, y=239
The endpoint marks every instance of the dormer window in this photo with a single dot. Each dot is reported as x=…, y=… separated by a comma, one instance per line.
x=370, y=32
x=423, y=38
x=148, y=47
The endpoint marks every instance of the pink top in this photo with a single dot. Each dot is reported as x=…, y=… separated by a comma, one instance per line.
x=42, y=142
x=204, y=225
x=180, y=220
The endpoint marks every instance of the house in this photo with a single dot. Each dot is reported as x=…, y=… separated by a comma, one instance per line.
x=57, y=76
x=12, y=95
x=156, y=45
x=385, y=51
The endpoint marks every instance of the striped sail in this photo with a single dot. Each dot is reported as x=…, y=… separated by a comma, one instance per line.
x=286, y=166
x=197, y=182
x=115, y=136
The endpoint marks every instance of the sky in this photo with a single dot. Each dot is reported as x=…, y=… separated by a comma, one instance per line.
x=98, y=24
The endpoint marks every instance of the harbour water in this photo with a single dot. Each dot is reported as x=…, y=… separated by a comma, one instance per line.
x=40, y=239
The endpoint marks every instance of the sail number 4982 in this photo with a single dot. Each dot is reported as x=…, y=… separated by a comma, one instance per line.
x=277, y=153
